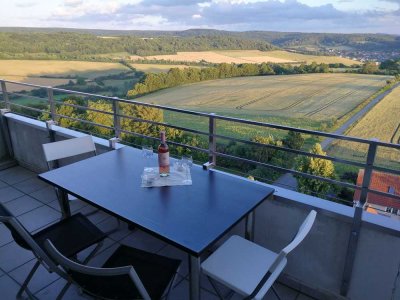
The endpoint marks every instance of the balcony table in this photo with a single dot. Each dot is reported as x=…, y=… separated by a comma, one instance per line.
x=191, y=217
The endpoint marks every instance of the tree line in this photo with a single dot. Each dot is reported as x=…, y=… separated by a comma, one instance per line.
x=155, y=81
x=70, y=45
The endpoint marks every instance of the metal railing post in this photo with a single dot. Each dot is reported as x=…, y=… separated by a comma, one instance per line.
x=212, y=143
x=51, y=103
x=5, y=95
x=357, y=220
x=117, y=119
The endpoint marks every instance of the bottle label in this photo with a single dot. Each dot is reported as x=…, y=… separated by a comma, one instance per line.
x=163, y=159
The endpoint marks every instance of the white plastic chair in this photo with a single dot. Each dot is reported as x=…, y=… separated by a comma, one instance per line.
x=66, y=149
x=249, y=269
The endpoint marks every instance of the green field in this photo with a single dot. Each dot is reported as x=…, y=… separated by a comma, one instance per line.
x=383, y=123
x=299, y=100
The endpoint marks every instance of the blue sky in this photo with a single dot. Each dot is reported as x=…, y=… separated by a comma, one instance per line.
x=348, y=16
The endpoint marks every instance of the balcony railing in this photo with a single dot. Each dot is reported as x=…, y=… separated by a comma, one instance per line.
x=213, y=120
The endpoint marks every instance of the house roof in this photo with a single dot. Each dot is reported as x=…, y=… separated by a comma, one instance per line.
x=381, y=182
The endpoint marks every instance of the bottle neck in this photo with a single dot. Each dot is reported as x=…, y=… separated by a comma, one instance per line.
x=162, y=137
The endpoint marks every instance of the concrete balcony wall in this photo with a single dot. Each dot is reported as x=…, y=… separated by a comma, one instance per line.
x=316, y=266
x=27, y=137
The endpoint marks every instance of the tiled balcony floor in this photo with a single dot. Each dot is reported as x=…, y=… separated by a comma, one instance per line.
x=35, y=205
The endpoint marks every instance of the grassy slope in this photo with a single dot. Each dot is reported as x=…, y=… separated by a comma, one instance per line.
x=383, y=123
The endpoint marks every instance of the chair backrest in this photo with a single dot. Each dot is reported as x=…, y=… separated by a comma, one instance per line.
x=23, y=238
x=101, y=282
x=68, y=148
x=302, y=232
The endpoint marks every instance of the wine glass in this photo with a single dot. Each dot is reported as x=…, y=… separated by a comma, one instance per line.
x=147, y=152
x=187, y=163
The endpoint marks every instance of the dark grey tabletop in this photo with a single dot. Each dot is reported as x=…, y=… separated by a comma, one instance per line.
x=189, y=217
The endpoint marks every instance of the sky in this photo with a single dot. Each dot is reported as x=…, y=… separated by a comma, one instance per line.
x=343, y=16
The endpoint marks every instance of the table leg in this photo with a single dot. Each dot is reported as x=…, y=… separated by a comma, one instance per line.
x=64, y=203
x=250, y=222
x=194, y=276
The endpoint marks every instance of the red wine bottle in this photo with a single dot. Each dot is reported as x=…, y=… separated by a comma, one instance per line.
x=163, y=156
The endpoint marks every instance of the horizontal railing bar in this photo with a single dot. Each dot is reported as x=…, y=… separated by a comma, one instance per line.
x=84, y=121
x=85, y=108
x=29, y=108
x=327, y=157
x=163, y=124
x=382, y=169
x=29, y=96
x=396, y=197
x=225, y=118
x=169, y=142
x=285, y=170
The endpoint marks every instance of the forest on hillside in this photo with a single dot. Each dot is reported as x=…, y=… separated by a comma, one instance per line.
x=360, y=41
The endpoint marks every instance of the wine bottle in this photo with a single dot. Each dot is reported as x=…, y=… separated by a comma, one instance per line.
x=163, y=156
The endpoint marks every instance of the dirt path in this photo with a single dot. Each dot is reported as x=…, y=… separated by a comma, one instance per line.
x=342, y=129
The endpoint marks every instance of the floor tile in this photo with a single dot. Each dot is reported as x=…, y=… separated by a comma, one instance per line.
x=45, y=195
x=144, y=241
x=51, y=292
x=97, y=217
x=9, y=193
x=39, y=218
x=107, y=243
x=74, y=205
x=13, y=256
x=285, y=292
x=40, y=279
x=304, y=297
x=30, y=185
x=111, y=224
x=8, y=287
x=16, y=175
x=22, y=205
x=173, y=252
x=3, y=184
x=181, y=291
x=5, y=235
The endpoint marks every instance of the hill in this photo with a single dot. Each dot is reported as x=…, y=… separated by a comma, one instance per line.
x=306, y=42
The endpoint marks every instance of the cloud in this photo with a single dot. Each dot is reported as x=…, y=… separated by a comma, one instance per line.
x=25, y=4
x=73, y=3
x=289, y=15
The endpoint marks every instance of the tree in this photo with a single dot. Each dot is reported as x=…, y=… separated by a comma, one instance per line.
x=294, y=140
x=99, y=117
x=369, y=68
x=315, y=166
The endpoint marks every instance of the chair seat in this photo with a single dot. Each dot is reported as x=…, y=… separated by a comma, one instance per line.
x=155, y=271
x=71, y=235
x=241, y=265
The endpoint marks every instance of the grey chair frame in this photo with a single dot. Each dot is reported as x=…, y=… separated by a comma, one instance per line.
x=280, y=261
x=64, y=149
x=68, y=264
x=40, y=254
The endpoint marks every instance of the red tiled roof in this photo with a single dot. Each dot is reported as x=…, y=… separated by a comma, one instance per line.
x=381, y=182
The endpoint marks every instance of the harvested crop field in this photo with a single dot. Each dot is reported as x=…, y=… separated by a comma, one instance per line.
x=319, y=97
x=247, y=56
x=383, y=123
x=32, y=71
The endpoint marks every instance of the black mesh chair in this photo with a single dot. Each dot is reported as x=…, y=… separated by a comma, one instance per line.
x=71, y=235
x=129, y=273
